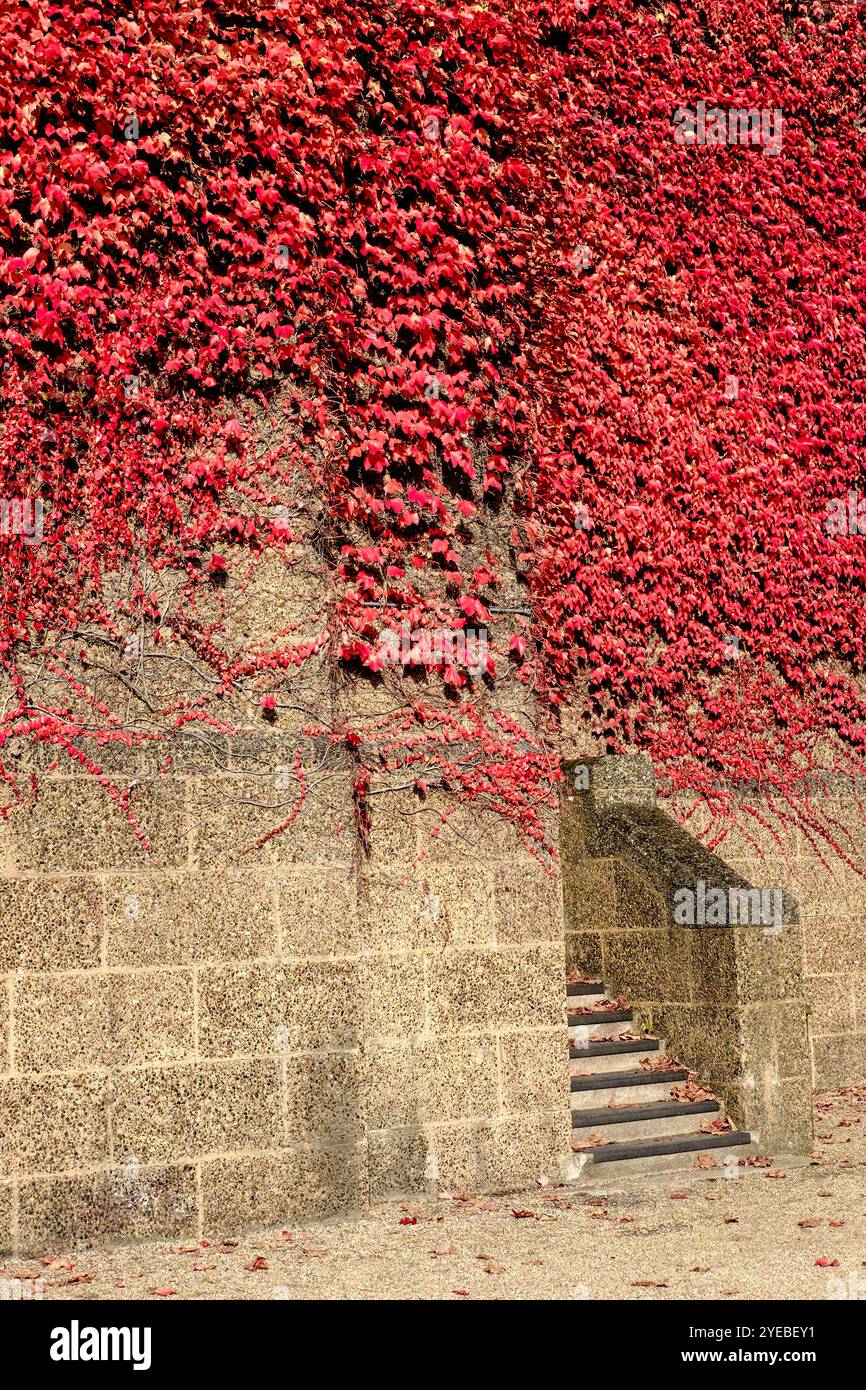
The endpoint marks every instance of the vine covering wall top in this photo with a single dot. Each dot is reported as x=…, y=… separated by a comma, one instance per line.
x=444, y=294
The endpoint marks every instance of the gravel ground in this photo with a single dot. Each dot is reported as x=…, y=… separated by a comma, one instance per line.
x=682, y=1237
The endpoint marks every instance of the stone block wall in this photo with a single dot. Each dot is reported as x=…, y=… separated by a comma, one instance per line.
x=242, y=1028
x=220, y=1036
x=468, y=1078
x=832, y=899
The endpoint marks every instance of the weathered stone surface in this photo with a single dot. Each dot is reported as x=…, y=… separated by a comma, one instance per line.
x=165, y=1113
x=53, y=1123
x=243, y=1028
x=829, y=954
x=50, y=923
x=74, y=826
x=182, y=919
x=280, y=1187
x=128, y=1202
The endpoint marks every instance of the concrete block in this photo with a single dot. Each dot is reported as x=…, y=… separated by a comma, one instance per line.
x=280, y=1188
x=183, y=1112
x=839, y=1060
x=128, y=1203
x=398, y=1161
x=52, y=1124
x=75, y=826
x=589, y=893
x=7, y=1218
x=459, y=1079
x=583, y=954
x=637, y=964
x=528, y=903
x=263, y=1009
x=512, y=987
x=392, y=991
x=317, y=909
x=5, y=1026
x=186, y=919
x=325, y=1098
x=394, y=1085
x=50, y=923
x=73, y=1022
x=534, y=1071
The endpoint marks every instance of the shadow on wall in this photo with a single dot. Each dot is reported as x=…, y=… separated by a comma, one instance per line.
x=709, y=961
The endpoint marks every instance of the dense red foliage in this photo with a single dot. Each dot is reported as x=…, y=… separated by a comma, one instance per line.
x=466, y=237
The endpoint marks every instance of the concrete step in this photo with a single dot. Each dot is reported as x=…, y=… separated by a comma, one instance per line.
x=597, y=1056
x=625, y=1087
x=662, y=1119
x=628, y=1106
x=665, y=1154
x=581, y=993
x=599, y=1024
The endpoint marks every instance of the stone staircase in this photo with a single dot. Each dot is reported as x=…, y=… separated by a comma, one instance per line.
x=630, y=1106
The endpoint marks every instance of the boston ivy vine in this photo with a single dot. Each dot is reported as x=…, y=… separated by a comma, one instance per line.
x=461, y=247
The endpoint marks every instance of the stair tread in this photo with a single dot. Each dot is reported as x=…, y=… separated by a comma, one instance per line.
x=604, y=1080
x=600, y=1016
x=576, y=987
x=602, y=1047
x=668, y=1144
x=655, y=1110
